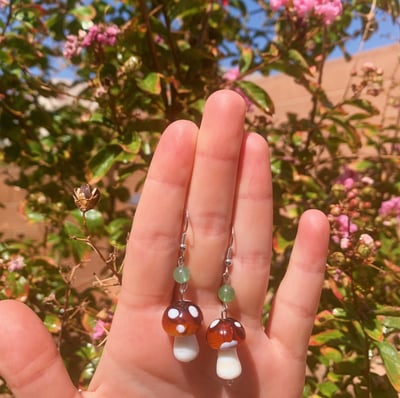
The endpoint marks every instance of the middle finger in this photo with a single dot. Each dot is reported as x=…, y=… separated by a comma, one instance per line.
x=213, y=185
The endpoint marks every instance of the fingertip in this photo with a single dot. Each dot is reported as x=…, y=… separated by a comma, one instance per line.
x=223, y=99
x=315, y=222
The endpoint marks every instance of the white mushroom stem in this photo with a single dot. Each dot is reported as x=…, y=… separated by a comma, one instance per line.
x=228, y=364
x=186, y=348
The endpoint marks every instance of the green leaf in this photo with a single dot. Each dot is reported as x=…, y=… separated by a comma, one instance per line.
x=363, y=104
x=84, y=13
x=52, y=323
x=94, y=221
x=328, y=388
x=391, y=360
x=102, y=162
x=298, y=59
x=392, y=322
x=118, y=230
x=151, y=83
x=331, y=353
x=246, y=59
x=325, y=337
x=257, y=95
x=373, y=328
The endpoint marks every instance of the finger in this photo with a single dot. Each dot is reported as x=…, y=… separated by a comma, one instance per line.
x=211, y=195
x=29, y=360
x=292, y=315
x=154, y=240
x=253, y=226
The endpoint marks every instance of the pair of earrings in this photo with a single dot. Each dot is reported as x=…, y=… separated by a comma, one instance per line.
x=182, y=319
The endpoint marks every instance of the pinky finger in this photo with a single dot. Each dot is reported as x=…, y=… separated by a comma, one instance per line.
x=296, y=302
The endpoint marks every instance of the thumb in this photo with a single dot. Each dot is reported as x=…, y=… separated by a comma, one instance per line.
x=29, y=360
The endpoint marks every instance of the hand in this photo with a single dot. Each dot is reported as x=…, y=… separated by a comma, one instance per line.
x=221, y=175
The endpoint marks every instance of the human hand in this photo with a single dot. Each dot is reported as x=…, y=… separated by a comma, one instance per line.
x=221, y=175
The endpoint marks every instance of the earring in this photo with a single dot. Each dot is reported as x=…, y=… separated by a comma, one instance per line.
x=182, y=319
x=225, y=334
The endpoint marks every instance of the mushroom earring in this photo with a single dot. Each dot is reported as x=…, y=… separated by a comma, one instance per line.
x=182, y=319
x=225, y=334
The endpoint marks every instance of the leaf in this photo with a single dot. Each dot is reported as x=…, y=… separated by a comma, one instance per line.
x=151, y=83
x=332, y=354
x=95, y=221
x=84, y=13
x=257, y=95
x=391, y=360
x=102, y=162
x=328, y=389
x=392, y=322
x=298, y=59
x=325, y=336
x=373, y=328
x=52, y=323
x=246, y=59
x=388, y=310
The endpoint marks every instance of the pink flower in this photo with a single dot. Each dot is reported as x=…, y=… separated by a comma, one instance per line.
x=99, y=330
x=101, y=35
x=344, y=229
x=303, y=7
x=71, y=47
x=328, y=10
x=232, y=74
x=16, y=263
x=276, y=4
x=348, y=178
x=367, y=240
x=391, y=208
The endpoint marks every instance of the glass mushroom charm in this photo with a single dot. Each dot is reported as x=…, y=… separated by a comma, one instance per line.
x=182, y=319
x=225, y=335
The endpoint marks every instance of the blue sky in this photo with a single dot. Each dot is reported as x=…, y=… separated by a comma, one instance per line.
x=388, y=33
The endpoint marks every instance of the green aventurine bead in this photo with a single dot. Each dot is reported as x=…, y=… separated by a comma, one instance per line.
x=226, y=293
x=181, y=274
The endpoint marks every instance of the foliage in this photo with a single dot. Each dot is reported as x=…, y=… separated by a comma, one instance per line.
x=85, y=92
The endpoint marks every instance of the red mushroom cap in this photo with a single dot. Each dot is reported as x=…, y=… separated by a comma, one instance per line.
x=182, y=318
x=225, y=333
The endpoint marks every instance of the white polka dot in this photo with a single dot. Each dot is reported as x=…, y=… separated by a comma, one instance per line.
x=180, y=328
x=238, y=324
x=214, y=323
x=193, y=311
x=173, y=313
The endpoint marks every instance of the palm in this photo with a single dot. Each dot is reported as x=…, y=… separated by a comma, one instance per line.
x=222, y=177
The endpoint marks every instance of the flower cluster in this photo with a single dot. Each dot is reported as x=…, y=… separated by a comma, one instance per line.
x=16, y=263
x=327, y=10
x=370, y=80
x=97, y=35
x=354, y=188
x=390, y=210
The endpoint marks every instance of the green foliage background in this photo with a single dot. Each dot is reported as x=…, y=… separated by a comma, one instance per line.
x=104, y=122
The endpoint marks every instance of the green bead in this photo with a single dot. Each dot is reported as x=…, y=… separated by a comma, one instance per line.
x=181, y=274
x=226, y=293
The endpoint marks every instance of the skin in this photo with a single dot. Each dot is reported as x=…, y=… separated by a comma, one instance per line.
x=221, y=175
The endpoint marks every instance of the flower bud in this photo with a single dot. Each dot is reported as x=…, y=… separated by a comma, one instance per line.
x=86, y=197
